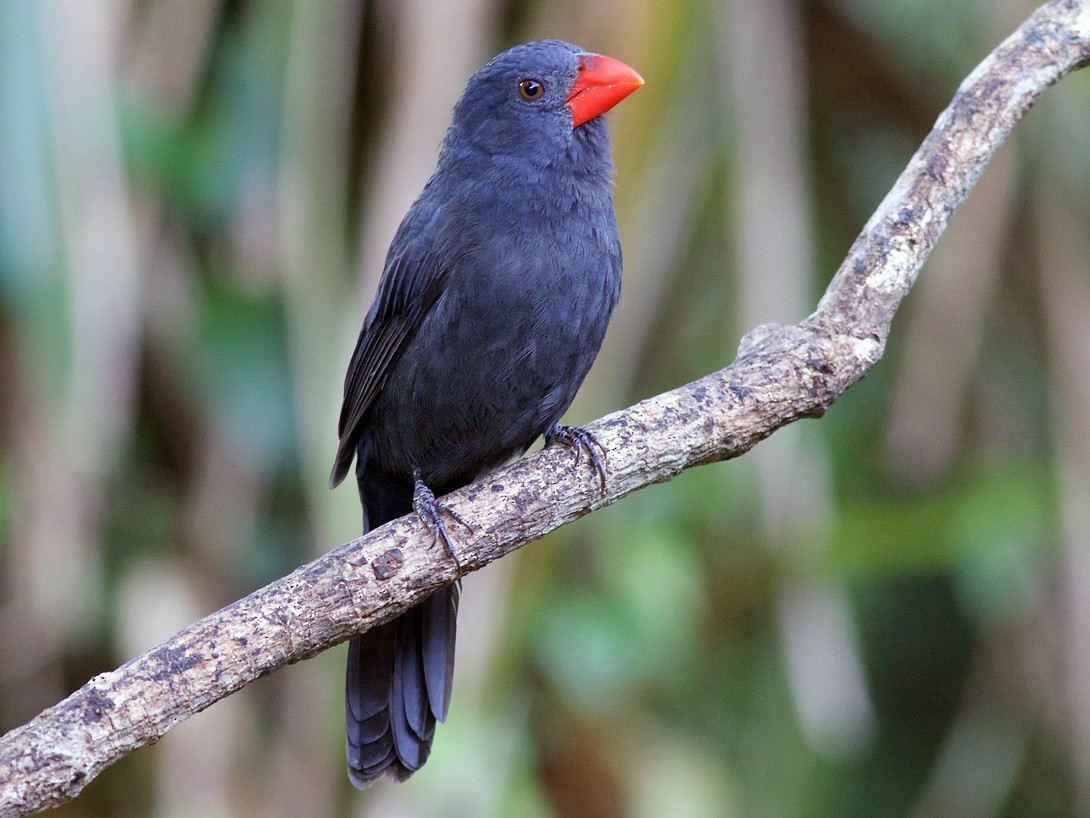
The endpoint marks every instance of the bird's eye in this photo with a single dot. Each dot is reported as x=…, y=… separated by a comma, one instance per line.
x=531, y=89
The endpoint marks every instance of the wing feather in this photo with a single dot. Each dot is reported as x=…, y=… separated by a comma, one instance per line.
x=411, y=284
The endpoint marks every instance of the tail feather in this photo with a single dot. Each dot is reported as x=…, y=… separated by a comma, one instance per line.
x=397, y=687
x=367, y=757
x=410, y=711
x=370, y=672
x=412, y=748
x=372, y=732
x=440, y=630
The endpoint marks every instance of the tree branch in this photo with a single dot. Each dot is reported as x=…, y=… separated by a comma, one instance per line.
x=781, y=374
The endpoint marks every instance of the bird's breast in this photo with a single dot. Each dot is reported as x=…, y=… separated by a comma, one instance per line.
x=499, y=357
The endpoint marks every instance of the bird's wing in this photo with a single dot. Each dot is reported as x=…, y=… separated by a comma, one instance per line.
x=410, y=284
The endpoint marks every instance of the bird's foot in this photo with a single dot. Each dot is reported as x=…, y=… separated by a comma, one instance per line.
x=430, y=511
x=582, y=441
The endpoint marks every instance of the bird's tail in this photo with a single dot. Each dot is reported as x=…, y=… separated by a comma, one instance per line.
x=397, y=687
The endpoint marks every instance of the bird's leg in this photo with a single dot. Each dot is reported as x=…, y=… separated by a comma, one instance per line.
x=582, y=441
x=430, y=511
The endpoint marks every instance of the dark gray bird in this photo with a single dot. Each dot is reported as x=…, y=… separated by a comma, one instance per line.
x=491, y=308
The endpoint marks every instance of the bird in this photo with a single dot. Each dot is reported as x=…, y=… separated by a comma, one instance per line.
x=493, y=302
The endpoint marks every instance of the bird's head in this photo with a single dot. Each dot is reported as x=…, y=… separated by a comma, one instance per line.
x=530, y=101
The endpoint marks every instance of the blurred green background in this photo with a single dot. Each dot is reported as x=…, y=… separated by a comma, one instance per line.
x=885, y=612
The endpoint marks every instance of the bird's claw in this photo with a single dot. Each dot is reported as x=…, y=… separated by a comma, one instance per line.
x=582, y=441
x=430, y=511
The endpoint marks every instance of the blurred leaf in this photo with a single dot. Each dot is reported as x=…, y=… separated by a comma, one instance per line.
x=242, y=374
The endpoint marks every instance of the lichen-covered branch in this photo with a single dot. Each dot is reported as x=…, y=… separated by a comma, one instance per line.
x=782, y=373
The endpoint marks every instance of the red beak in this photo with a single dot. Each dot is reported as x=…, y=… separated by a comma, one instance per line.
x=601, y=83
